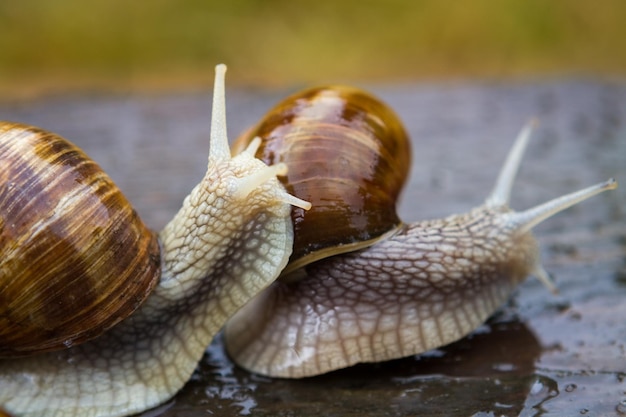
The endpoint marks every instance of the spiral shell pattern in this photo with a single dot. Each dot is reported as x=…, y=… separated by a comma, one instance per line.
x=348, y=154
x=75, y=259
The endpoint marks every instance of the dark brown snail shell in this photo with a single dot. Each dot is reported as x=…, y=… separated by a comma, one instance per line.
x=75, y=259
x=348, y=154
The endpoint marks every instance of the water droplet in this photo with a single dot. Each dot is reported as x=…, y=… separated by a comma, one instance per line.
x=570, y=387
x=536, y=388
x=232, y=390
x=503, y=367
x=433, y=353
x=247, y=404
x=484, y=414
x=575, y=315
x=544, y=388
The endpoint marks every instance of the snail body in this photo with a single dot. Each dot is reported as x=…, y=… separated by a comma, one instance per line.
x=230, y=239
x=417, y=287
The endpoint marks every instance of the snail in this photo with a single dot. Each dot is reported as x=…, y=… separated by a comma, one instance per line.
x=239, y=219
x=62, y=218
x=407, y=290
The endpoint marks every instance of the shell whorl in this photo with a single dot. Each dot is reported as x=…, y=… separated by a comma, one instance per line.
x=349, y=155
x=75, y=257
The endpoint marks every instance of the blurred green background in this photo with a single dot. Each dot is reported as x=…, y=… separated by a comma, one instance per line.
x=102, y=45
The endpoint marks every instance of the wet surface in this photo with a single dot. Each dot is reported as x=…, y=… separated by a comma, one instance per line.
x=540, y=355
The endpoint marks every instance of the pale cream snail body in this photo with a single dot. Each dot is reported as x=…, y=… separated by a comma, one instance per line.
x=374, y=290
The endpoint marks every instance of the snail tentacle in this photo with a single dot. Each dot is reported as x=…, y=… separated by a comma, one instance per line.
x=216, y=253
x=529, y=218
x=253, y=147
x=501, y=193
x=524, y=221
x=219, y=134
x=246, y=185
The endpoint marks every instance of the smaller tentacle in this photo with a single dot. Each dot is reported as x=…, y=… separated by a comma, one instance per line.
x=522, y=222
x=248, y=184
x=499, y=196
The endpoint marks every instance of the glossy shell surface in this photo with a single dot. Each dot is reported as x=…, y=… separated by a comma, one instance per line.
x=348, y=154
x=75, y=259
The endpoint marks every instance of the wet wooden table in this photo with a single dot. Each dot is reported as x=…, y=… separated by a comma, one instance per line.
x=540, y=355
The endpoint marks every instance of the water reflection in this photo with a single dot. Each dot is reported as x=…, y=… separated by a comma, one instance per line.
x=491, y=372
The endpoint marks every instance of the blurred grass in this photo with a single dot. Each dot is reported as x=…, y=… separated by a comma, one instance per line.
x=126, y=45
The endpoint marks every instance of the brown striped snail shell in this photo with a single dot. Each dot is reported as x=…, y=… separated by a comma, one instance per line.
x=349, y=155
x=85, y=273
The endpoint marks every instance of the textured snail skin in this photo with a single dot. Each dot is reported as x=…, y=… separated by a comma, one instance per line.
x=427, y=285
x=230, y=240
